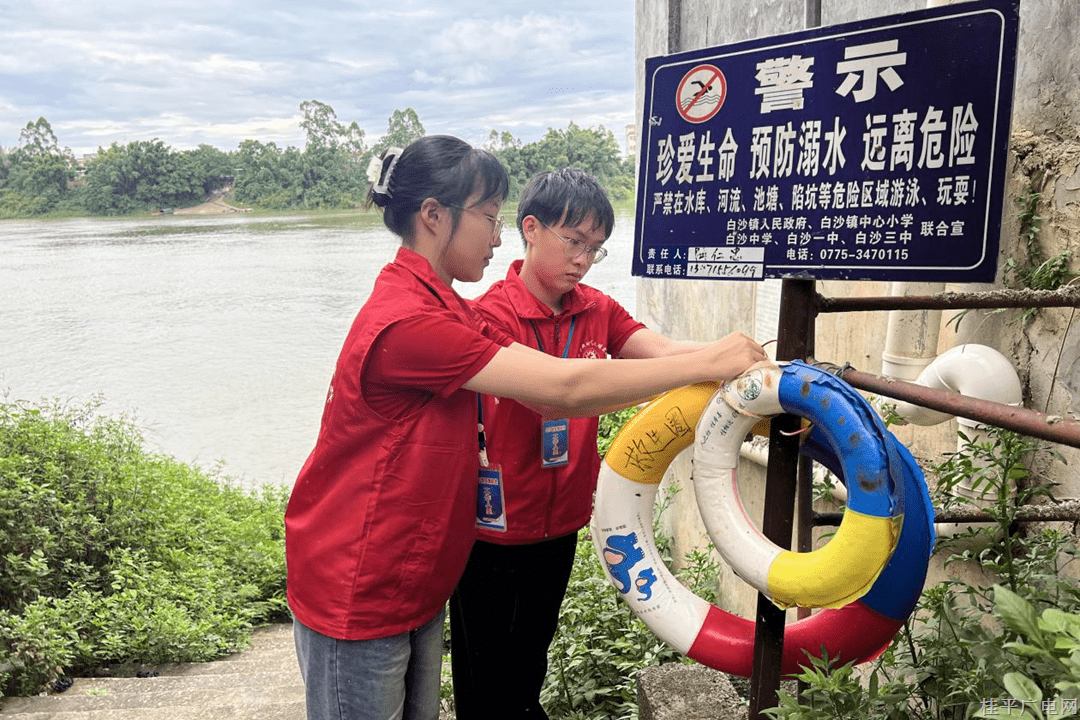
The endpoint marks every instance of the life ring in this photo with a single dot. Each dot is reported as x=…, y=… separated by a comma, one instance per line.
x=871, y=572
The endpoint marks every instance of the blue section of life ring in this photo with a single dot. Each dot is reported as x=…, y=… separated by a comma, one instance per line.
x=897, y=589
x=810, y=392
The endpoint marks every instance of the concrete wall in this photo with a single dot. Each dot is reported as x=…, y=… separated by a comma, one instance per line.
x=1044, y=156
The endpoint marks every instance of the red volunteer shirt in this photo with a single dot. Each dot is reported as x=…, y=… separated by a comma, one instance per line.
x=382, y=517
x=544, y=503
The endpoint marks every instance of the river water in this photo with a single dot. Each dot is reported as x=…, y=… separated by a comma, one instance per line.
x=216, y=335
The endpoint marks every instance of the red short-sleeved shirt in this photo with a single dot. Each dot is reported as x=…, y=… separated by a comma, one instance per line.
x=547, y=502
x=382, y=517
x=414, y=358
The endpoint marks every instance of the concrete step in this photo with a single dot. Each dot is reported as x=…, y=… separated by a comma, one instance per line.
x=241, y=665
x=281, y=711
x=261, y=682
x=105, y=693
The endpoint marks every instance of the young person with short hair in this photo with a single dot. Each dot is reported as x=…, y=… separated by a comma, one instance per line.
x=505, y=610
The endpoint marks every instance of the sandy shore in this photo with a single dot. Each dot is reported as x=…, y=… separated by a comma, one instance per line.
x=217, y=206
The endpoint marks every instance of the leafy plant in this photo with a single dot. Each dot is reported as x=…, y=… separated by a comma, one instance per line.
x=834, y=692
x=1050, y=643
x=996, y=469
x=1035, y=271
x=114, y=555
x=971, y=649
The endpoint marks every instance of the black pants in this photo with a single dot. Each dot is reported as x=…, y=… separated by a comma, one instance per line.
x=503, y=616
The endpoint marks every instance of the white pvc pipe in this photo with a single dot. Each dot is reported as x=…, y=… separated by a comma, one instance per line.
x=976, y=371
x=912, y=335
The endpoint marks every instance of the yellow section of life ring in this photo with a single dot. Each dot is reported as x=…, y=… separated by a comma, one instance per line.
x=852, y=559
x=658, y=432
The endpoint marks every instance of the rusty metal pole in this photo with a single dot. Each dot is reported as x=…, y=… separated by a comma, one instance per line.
x=1068, y=296
x=805, y=511
x=804, y=508
x=1063, y=430
x=780, y=482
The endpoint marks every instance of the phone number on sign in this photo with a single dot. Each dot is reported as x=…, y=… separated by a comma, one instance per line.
x=863, y=254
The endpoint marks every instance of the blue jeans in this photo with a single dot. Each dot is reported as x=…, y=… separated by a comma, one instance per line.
x=393, y=678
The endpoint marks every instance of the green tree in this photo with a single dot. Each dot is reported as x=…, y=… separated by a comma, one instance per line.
x=332, y=160
x=320, y=125
x=402, y=128
x=509, y=150
x=352, y=140
x=213, y=168
x=325, y=132
x=592, y=150
x=38, y=138
x=36, y=174
x=268, y=176
x=34, y=184
x=139, y=176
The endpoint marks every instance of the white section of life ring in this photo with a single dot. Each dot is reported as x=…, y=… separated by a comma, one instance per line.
x=671, y=611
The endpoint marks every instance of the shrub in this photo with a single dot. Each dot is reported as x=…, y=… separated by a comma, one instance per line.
x=1050, y=642
x=963, y=654
x=112, y=554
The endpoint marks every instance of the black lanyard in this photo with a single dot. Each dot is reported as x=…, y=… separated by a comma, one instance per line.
x=569, y=337
x=480, y=439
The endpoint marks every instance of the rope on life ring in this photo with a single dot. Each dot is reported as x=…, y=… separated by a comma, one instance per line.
x=871, y=572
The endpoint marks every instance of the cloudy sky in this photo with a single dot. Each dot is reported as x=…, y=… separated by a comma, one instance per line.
x=194, y=72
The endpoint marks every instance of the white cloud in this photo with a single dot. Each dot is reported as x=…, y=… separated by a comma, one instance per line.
x=362, y=64
x=474, y=74
x=229, y=68
x=508, y=37
x=423, y=76
x=230, y=71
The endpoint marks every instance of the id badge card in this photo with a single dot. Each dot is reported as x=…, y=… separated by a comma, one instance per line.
x=555, y=443
x=490, y=510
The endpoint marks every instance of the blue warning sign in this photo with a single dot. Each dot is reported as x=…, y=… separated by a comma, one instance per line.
x=873, y=150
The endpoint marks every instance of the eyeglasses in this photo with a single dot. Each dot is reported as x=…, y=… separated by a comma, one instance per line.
x=496, y=220
x=572, y=247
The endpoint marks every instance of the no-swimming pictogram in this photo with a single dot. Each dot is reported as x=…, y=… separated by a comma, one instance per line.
x=701, y=93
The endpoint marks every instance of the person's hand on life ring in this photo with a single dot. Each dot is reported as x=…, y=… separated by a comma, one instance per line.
x=732, y=355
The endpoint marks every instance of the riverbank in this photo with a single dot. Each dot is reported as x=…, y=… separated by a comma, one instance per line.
x=225, y=204
x=215, y=206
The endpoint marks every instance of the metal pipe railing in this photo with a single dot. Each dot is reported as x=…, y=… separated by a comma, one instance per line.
x=1054, y=428
x=1062, y=511
x=1068, y=296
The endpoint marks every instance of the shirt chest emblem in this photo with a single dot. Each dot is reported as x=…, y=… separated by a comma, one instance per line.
x=593, y=350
